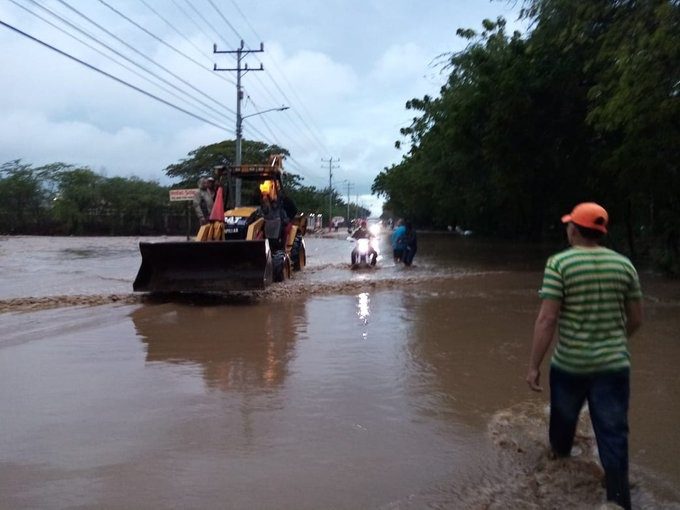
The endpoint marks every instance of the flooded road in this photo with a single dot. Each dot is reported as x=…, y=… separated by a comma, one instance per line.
x=394, y=388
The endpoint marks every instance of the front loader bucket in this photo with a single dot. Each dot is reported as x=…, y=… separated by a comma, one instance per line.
x=210, y=266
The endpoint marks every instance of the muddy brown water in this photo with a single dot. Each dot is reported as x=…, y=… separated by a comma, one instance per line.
x=393, y=388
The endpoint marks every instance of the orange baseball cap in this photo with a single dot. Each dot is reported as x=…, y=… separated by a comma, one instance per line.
x=588, y=215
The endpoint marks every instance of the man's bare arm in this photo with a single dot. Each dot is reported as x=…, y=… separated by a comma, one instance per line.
x=544, y=331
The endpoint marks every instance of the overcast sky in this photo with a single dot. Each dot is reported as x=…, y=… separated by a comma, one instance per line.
x=344, y=67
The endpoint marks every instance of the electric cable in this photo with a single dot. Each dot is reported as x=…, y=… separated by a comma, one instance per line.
x=121, y=55
x=108, y=32
x=183, y=36
x=164, y=43
x=109, y=75
x=109, y=57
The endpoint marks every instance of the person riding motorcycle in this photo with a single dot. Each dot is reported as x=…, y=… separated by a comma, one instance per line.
x=363, y=233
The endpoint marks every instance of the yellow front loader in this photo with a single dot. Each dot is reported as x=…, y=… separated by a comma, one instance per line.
x=232, y=254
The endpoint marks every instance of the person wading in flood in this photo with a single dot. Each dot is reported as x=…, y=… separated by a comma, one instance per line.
x=593, y=294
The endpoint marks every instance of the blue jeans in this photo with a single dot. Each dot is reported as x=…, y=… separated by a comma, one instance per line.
x=607, y=395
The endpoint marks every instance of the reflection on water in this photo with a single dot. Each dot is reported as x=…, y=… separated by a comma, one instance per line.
x=363, y=310
x=236, y=347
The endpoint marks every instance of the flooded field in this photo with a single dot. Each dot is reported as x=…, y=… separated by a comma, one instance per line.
x=392, y=388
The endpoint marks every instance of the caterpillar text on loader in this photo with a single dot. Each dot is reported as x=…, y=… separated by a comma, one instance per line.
x=241, y=249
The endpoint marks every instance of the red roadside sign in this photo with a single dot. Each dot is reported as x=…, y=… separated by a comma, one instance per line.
x=179, y=195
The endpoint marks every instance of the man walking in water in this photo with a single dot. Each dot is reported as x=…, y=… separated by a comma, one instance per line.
x=593, y=295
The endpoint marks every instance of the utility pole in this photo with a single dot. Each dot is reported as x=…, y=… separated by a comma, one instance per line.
x=330, y=186
x=349, y=185
x=235, y=195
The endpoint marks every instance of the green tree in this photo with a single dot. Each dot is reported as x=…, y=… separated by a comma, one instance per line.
x=21, y=205
x=202, y=160
x=134, y=206
x=585, y=106
x=78, y=198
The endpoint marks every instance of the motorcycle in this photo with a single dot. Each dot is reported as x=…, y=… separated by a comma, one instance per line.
x=363, y=254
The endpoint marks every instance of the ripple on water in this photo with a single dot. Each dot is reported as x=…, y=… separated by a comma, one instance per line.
x=535, y=479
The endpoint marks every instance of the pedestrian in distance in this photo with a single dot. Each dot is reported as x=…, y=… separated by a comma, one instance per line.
x=203, y=201
x=592, y=296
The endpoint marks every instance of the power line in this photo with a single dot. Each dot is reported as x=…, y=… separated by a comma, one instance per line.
x=108, y=32
x=198, y=50
x=193, y=8
x=183, y=36
x=224, y=18
x=116, y=52
x=108, y=75
x=109, y=57
x=301, y=170
x=154, y=36
x=186, y=15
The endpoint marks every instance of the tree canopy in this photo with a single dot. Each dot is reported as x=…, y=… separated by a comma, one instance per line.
x=64, y=199
x=201, y=161
x=583, y=107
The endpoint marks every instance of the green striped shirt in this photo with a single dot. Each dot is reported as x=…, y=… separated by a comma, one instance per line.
x=593, y=285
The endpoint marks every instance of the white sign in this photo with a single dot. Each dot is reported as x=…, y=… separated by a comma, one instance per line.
x=178, y=195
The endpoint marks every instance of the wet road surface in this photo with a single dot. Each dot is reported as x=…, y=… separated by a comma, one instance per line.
x=340, y=389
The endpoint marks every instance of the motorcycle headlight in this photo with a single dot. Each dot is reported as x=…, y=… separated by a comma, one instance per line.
x=362, y=246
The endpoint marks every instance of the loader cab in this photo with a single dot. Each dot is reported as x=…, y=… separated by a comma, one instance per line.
x=245, y=222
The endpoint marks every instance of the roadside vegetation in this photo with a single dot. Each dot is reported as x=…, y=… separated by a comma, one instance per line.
x=583, y=107
x=64, y=199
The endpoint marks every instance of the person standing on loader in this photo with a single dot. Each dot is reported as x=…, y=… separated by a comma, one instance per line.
x=203, y=201
x=212, y=187
x=275, y=218
x=592, y=295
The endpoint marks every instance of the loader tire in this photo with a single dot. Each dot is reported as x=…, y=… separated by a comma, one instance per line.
x=279, y=266
x=299, y=258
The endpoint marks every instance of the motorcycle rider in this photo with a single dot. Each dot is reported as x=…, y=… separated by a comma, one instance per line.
x=363, y=233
